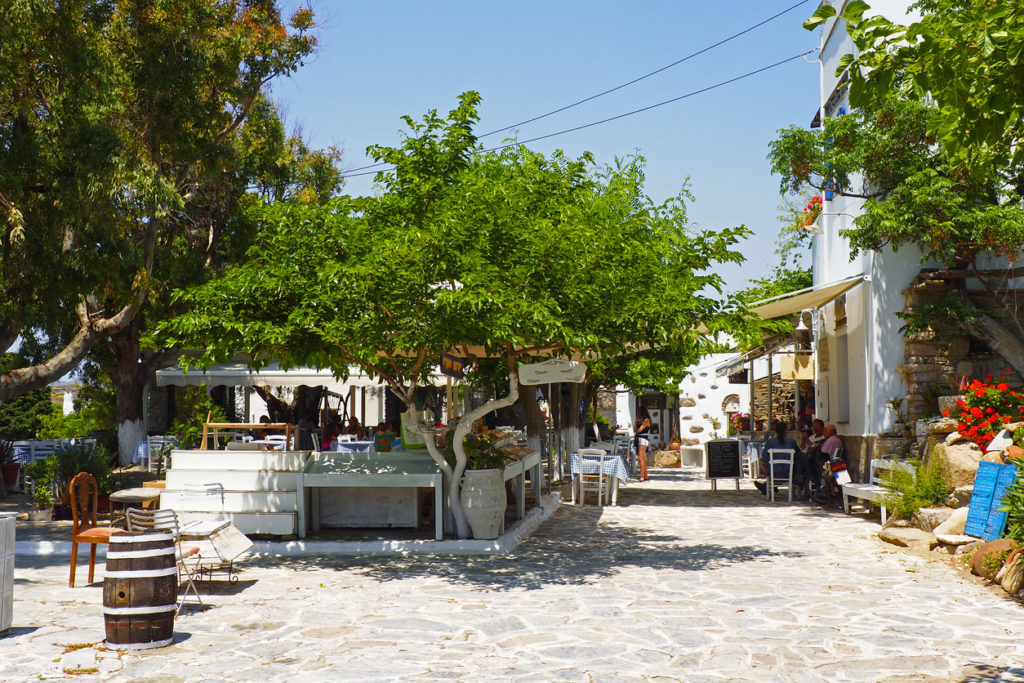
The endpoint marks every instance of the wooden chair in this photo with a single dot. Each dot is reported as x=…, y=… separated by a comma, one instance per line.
x=780, y=457
x=84, y=503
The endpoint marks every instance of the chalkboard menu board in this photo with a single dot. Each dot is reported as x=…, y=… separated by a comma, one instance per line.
x=723, y=459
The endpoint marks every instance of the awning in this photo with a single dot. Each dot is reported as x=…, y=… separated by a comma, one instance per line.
x=801, y=299
x=239, y=375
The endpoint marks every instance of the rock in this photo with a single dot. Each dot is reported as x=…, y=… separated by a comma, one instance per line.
x=959, y=461
x=915, y=539
x=948, y=403
x=1013, y=573
x=988, y=568
x=956, y=540
x=940, y=425
x=1000, y=441
x=666, y=459
x=695, y=429
x=1013, y=453
x=993, y=456
x=687, y=417
x=897, y=522
x=926, y=519
x=687, y=403
x=687, y=441
x=960, y=496
x=953, y=525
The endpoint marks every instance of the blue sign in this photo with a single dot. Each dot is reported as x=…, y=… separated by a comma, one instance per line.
x=984, y=519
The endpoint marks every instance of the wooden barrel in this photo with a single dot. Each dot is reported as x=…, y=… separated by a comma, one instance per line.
x=140, y=590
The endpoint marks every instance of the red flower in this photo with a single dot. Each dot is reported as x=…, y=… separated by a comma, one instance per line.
x=1002, y=386
x=976, y=411
x=945, y=413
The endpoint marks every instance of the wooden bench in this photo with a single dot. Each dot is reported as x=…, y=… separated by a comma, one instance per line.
x=874, y=490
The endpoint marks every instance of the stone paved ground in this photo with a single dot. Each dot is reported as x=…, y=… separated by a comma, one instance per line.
x=673, y=584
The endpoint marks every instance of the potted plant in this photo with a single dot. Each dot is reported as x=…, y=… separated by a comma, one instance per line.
x=40, y=474
x=9, y=467
x=69, y=460
x=483, y=486
x=896, y=406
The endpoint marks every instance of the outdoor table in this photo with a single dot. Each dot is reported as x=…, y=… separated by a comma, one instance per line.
x=329, y=469
x=517, y=470
x=353, y=446
x=144, y=497
x=614, y=467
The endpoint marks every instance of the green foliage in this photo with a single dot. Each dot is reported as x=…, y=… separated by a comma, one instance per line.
x=41, y=474
x=1013, y=500
x=6, y=451
x=121, y=171
x=194, y=406
x=23, y=416
x=74, y=458
x=966, y=56
x=75, y=424
x=481, y=450
x=461, y=248
x=910, y=492
x=948, y=315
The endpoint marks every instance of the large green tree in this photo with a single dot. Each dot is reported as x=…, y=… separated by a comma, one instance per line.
x=506, y=254
x=120, y=128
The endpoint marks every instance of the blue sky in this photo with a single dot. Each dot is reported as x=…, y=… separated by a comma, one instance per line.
x=380, y=60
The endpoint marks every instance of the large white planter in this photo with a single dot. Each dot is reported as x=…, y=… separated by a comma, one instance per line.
x=6, y=570
x=483, y=500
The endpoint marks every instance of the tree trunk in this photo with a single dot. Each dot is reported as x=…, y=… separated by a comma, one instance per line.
x=278, y=410
x=534, y=422
x=130, y=377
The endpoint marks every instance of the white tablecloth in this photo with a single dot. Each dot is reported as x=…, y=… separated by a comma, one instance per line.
x=353, y=446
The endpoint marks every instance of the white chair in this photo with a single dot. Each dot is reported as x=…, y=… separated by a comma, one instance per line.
x=780, y=456
x=596, y=482
x=345, y=438
x=167, y=520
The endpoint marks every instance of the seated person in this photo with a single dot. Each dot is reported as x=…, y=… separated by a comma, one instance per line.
x=384, y=438
x=812, y=447
x=780, y=440
x=832, y=443
x=354, y=428
x=330, y=437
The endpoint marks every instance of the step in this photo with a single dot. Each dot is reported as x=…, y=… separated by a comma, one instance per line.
x=275, y=523
x=234, y=480
x=229, y=501
x=284, y=461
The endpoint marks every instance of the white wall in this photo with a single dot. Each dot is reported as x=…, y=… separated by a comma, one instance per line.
x=709, y=391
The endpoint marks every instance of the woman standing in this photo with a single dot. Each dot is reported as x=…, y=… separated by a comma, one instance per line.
x=642, y=429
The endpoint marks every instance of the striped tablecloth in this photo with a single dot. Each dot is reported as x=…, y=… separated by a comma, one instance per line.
x=614, y=465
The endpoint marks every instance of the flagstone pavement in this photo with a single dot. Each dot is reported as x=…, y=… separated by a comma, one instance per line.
x=674, y=584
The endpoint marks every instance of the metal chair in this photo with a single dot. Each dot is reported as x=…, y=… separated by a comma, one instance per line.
x=167, y=520
x=84, y=505
x=781, y=457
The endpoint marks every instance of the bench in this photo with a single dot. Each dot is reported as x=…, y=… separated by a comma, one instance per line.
x=874, y=490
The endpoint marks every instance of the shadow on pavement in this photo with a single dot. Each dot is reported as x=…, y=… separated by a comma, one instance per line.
x=571, y=549
x=975, y=673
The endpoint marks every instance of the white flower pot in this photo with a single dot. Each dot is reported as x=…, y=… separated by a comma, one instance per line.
x=483, y=500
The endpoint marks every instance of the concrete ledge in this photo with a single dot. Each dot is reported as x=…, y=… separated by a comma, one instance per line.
x=505, y=543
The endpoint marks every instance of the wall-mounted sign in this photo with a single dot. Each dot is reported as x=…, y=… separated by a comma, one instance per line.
x=452, y=366
x=796, y=366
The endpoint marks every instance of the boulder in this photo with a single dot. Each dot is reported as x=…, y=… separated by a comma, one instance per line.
x=926, y=519
x=953, y=525
x=960, y=497
x=666, y=459
x=1013, y=453
x=687, y=441
x=915, y=539
x=939, y=425
x=959, y=460
x=993, y=456
x=986, y=560
x=1012, y=579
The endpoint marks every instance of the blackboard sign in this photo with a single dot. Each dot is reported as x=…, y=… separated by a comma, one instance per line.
x=723, y=459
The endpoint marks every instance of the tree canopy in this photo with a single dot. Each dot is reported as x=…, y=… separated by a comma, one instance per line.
x=118, y=127
x=505, y=254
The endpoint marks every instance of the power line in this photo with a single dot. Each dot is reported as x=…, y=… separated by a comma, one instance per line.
x=619, y=116
x=623, y=85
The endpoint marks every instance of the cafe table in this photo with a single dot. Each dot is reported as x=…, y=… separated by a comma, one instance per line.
x=614, y=467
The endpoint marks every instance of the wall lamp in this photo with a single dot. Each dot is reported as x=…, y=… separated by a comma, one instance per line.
x=815, y=229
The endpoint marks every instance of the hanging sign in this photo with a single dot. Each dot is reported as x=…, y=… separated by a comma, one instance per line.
x=452, y=366
x=554, y=370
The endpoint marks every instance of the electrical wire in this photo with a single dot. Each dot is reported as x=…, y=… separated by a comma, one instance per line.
x=626, y=84
x=618, y=116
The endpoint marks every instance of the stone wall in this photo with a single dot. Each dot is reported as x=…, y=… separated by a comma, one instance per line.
x=935, y=363
x=783, y=394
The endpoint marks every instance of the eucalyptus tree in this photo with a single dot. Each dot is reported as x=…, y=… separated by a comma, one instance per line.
x=506, y=254
x=118, y=133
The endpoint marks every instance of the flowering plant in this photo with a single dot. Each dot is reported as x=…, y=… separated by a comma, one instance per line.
x=986, y=407
x=738, y=422
x=811, y=212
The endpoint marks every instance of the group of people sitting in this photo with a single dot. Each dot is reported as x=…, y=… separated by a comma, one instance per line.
x=817, y=447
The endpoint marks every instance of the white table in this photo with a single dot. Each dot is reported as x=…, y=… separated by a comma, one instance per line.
x=353, y=446
x=349, y=470
x=614, y=467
